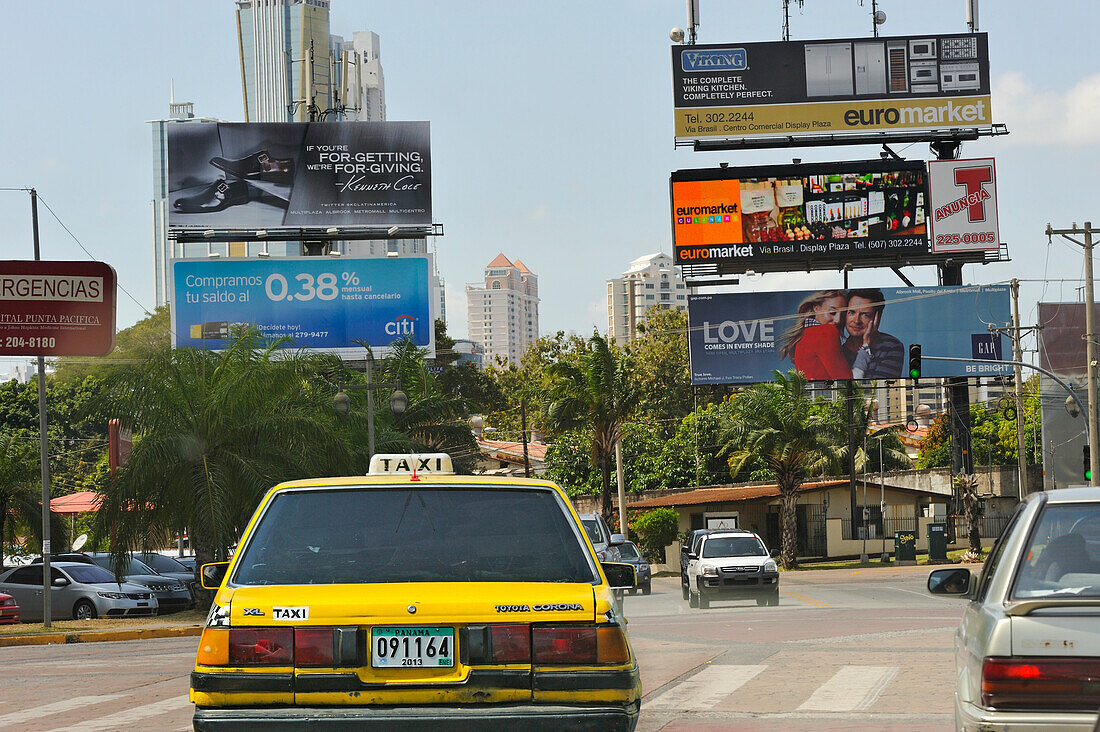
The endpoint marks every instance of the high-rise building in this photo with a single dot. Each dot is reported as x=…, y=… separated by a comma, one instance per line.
x=650, y=280
x=365, y=81
x=503, y=314
x=163, y=249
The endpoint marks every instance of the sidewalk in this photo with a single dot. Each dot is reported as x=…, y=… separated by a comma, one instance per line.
x=188, y=623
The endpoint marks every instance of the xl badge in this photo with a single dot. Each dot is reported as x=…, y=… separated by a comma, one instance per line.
x=252, y=611
x=290, y=613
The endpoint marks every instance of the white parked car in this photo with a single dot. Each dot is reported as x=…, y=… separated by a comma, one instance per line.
x=1027, y=653
x=731, y=565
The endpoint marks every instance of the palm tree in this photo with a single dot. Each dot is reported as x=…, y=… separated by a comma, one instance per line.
x=596, y=395
x=867, y=455
x=779, y=425
x=20, y=499
x=214, y=431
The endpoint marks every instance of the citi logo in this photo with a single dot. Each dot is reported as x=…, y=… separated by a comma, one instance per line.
x=719, y=59
x=401, y=325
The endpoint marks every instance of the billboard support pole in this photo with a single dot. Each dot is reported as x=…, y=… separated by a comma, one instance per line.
x=44, y=449
x=849, y=402
x=1018, y=355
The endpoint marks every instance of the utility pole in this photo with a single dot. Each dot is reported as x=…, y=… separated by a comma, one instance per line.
x=621, y=485
x=44, y=450
x=523, y=429
x=1018, y=355
x=1090, y=340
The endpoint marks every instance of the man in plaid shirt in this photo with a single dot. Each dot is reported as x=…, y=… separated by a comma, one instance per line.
x=881, y=352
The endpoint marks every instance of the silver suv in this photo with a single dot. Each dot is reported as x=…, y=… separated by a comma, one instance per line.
x=603, y=541
x=731, y=564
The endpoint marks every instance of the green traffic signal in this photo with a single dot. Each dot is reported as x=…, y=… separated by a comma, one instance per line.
x=914, y=361
x=1087, y=455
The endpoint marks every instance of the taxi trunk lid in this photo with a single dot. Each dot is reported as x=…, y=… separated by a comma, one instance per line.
x=416, y=642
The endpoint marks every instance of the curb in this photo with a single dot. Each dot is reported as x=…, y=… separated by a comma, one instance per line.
x=93, y=636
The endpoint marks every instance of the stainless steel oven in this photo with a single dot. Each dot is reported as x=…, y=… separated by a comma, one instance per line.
x=923, y=73
x=960, y=77
x=924, y=48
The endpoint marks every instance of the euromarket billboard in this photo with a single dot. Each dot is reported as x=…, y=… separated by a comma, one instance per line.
x=748, y=217
x=305, y=174
x=838, y=335
x=320, y=303
x=785, y=88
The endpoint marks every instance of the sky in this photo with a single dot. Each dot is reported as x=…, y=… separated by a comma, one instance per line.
x=551, y=122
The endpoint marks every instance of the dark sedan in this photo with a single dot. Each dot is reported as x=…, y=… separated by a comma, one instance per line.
x=630, y=552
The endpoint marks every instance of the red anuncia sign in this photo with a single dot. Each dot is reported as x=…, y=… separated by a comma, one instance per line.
x=56, y=308
x=963, y=212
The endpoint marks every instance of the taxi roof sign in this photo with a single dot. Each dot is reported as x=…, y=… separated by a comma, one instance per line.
x=429, y=463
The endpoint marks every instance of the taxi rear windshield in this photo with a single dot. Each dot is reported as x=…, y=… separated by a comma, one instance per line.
x=413, y=535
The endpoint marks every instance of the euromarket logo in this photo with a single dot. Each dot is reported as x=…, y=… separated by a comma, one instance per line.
x=720, y=214
x=719, y=59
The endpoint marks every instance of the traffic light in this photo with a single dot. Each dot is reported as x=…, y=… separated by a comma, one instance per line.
x=914, y=361
x=1088, y=463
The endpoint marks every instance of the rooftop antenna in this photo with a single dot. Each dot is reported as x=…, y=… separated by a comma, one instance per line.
x=692, y=19
x=787, y=18
x=972, y=15
x=878, y=17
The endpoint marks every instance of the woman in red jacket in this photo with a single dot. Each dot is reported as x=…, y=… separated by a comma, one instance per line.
x=814, y=343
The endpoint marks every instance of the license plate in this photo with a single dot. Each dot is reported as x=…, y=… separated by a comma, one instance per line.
x=412, y=647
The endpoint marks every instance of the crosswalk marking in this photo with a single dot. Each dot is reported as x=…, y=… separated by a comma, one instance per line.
x=14, y=718
x=704, y=689
x=851, y=688
x=130, y=716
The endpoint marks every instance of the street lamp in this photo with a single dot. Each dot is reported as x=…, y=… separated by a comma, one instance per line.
x=399, y=401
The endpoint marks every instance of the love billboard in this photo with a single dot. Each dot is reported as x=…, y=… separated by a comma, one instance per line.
x=319, y=303
x=838, y=335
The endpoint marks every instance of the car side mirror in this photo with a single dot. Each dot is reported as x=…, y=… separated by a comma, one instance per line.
x=620, y=575
x=692, y=555
x=212, y=575
x=60, y=582
x=775, y=553
x=953, y=582
x=617, y=539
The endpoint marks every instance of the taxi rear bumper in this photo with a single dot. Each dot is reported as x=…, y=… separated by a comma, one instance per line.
x=528, y=717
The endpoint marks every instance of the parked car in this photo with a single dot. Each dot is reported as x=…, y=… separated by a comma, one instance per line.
x=444, y=602
x=187, y=561
x=630, y=553
x=169, y=567
x=687, y=547
x=65, y=557
x=603, y=541
x=79, y=591
x=732, y=564
x=1027, y=652
x=172, y=594
x=9, y=609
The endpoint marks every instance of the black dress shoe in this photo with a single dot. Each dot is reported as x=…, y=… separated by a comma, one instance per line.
x=218, y=196
x=258, y=166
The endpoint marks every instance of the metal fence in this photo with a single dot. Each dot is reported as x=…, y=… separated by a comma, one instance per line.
x=812, y=541
x=878, y=527
x=990, y=527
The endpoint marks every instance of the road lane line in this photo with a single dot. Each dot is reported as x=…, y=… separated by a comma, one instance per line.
x=852, y=688
x=119, y=720
x=8, y=720
x=809, y=600
x=704, y=689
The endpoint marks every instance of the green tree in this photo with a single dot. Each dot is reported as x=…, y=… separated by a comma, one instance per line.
x=213, y=431
x=661, y=357
x=20, y=492
x=777, y=424
x=144, y=338
x=598, y=395
x=656, y=529
x=530, y=381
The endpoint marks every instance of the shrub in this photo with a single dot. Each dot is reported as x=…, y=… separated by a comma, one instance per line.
x=656, y=529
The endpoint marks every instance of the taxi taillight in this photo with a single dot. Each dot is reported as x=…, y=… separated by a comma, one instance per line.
x=314, y=647
x=545, y=644
x=510, y=643
x=569, y=644
x=213, y=647
x=1040, y=683
x=261, y=646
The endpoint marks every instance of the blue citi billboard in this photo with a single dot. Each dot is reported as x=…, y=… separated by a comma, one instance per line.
x=319, y=303
x=837, y=335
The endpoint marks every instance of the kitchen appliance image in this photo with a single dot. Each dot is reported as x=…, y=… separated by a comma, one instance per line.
x=870, y=68
x=923, y=73
x=829, y=69
x=922, y=49
x=952, y=49
x=960, y=76
x=897, y=70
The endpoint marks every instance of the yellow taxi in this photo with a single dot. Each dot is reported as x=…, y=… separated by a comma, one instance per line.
x=412, y=598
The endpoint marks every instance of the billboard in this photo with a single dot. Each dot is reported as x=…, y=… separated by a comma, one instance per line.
x=829, y=211
x=835, y=335
x=785, y=88
x=57, y=308
x=307, y=174
x=321, y=303
x=963, y=205
x=1062, y=347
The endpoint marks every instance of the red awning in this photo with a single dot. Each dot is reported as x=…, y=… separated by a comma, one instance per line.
x=80, y=502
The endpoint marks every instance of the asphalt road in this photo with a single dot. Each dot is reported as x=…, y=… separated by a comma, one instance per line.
x=862, y=649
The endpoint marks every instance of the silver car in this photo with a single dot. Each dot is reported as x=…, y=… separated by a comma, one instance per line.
x=79, y=591
x=1027, y=653
x=172, y=594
